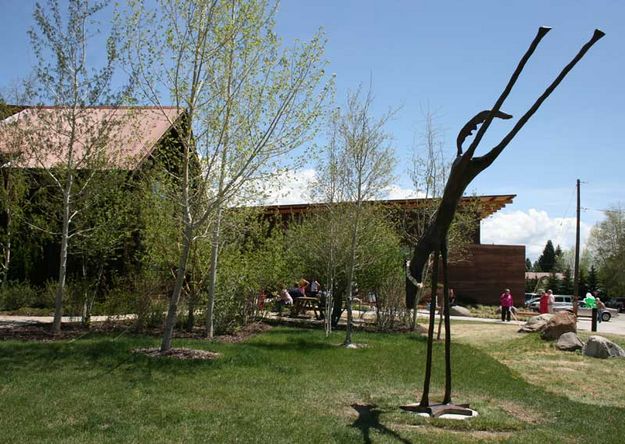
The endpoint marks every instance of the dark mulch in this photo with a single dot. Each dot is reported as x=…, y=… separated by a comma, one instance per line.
x=245, y=332
x=43, y=332
x=178, y=353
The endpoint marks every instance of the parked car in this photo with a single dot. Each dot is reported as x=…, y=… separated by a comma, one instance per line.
x=616, y=303
x=533, y=304
x=561, y=302
x=586, y=312
x=529, y=296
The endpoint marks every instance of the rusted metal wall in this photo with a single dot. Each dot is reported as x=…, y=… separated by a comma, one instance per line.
x=486, y=272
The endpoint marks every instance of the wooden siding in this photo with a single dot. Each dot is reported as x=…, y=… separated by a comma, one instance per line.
x=487, y=271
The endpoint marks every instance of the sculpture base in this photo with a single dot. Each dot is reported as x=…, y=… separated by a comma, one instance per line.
x=436, y=410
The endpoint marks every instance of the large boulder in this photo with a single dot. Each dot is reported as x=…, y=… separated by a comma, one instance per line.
x=600, y=347
x=536, y=323
x=561, y=322
x=569, y=342
x=457, y=310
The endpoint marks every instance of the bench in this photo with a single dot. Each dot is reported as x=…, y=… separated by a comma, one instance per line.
x=304, y=303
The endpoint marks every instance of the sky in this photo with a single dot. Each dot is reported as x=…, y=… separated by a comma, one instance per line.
x=453, y=58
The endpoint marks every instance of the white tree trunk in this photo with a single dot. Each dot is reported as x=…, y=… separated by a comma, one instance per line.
x=212, y=283
x=60, y=290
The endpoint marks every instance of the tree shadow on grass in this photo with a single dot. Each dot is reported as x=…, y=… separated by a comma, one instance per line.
x=103, y=356
x=369, y=418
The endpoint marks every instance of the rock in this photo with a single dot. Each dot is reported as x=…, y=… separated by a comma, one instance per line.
x=569, y=342
x=600, y=347
x=561, y=322
x=457, y=310
x=536, y=323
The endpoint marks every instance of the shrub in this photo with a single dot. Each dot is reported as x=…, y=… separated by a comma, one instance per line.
x=17, y=295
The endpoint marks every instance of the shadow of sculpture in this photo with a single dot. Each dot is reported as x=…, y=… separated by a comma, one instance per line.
x=369, y=418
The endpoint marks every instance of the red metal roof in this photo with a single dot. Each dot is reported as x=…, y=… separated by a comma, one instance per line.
x=121, y=137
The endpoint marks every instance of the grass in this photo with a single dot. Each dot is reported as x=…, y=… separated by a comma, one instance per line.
x=293, y=386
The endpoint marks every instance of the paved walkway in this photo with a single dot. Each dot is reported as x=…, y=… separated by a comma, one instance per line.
x=615, y=326
x=5, y=319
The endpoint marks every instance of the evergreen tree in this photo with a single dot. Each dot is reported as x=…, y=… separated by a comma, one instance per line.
x=548, y=258
x=566, y=285
x=558, y=251
x=536, y=267
x=530, y=285
x=528, y=264
x=559, y=262
x=553, y=283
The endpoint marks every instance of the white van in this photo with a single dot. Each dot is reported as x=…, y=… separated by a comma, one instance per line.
x=562, y=302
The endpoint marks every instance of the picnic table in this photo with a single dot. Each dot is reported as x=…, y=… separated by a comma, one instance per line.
x=301, y=304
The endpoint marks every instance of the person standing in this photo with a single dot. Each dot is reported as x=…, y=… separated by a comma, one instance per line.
x=600, y=309
x=551, y=299
x=544, y=303
x=506, y=302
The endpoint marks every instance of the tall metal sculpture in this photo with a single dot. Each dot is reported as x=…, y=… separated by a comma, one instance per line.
x=434, y=242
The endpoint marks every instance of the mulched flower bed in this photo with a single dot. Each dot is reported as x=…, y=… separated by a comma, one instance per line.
x=42, y=332
x=179, y=353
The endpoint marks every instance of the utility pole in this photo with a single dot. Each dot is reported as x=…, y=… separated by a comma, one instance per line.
x=576, y=271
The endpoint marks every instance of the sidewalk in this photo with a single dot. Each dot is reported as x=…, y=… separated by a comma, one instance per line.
x=615, y=326
x=4, y=319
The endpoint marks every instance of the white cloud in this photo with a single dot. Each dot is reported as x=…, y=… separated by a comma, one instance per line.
x=293, y=187
x=532, y=229
x=290, y=188
x=397, y=192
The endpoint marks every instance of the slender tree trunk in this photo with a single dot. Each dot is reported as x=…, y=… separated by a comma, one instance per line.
x=417, y=298
x=210, y=315
x=447, y=396
x=7, y=250
x=328, y=307
x=425, y=397
x=212, y=280
x=58, y=300
x=413, y=322
x=191, y=308
x=170, y=321
x=440, y=324
x=86, y=320
x=350, y=281
x=6, y=260
x=85, y=294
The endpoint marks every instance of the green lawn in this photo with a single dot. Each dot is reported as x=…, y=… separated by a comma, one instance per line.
x=282, y=386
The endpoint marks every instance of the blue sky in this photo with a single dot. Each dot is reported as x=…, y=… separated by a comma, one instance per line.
x=454, y=57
